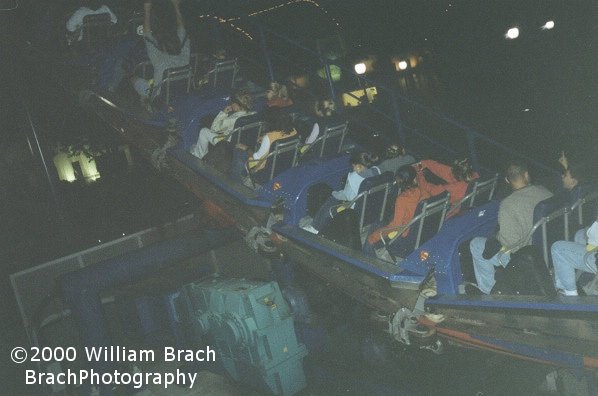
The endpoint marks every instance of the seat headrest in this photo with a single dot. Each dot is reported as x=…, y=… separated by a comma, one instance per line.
x=373, y=181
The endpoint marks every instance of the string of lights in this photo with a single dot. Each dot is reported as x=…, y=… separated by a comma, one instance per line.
x=226, y=21
x=266, y=10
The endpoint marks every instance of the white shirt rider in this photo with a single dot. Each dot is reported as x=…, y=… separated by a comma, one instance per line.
x=76, y=20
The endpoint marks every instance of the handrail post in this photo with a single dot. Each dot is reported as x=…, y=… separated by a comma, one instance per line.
x=266, y=53
x=329, y=77
x=397, y=116
x=473, y=154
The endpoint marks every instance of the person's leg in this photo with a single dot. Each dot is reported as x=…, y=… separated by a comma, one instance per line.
x=203, y=142
x=567, y=257
x=484, y=269
x=240, y=157
x=369, y=249
x=323, y=214
x=142, y=87
x=581, y=237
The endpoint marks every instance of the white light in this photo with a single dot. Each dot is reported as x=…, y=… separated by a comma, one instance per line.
x=548, y=25
x=360, y=68
x=402, y=65
x=512, y=33
x=109, y=103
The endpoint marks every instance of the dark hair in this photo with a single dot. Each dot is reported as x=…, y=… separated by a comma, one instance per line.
x=325, y=108
x=243, y=99
x=394, y=150
x=362, y=158
x=283, y=123
x=164, y=27
x=578, y=171
x=462, y=169
x=516, y=170
x=406, y=177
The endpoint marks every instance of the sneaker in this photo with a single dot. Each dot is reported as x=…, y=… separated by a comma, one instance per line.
x=311, y=229
x=383, y=254
x=429, y=292
x=568, y=293
x=247, y=182
x=591, y=288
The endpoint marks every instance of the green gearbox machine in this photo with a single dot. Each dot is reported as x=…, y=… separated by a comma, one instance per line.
x=250, y=326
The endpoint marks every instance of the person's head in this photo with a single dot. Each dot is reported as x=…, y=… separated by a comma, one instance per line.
x=241, y=100
x=277, y=90
x=462, y=170
x=573, y=175
x=325, y=108
x=517, y=174
x=393, y=151
x=219, y=54
x=164, y=27
x=361, y=161
x=406, y=177
x=283, y=123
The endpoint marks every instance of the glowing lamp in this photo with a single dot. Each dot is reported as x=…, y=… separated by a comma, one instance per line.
x=402, y=65
x=512, y=33
x=548, y=25
x=335, y=73
x=360, y=68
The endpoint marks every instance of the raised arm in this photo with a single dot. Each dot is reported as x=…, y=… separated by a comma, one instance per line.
x=147, y=8
x=177, y=10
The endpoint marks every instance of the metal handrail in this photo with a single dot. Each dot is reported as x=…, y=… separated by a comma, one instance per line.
x=428, y=210
x=365, y=194
x=328, y=133
x=479, y=188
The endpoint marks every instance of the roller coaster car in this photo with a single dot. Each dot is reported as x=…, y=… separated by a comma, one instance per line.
x=426, y=258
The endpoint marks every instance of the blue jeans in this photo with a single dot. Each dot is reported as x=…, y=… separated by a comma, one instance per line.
x=484, y=269
x=240, y=158
x=323, y=214
x=569, y=256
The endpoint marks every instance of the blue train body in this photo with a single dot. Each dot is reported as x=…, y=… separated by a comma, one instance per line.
x=399, y=282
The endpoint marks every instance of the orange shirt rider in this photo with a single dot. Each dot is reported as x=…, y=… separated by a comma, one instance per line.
x=457, y=188
x=266, y=141
x=405, y=206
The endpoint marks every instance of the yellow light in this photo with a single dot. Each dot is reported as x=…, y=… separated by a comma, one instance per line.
x=64, y=167
x=424, y=255
x=335, y=73
x=413, y=61
x=273, y=8
x=88, y=167
x=354, y=98
x=301, y=81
